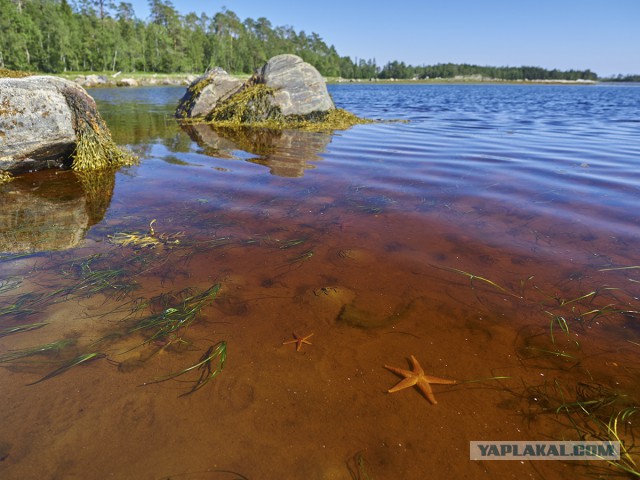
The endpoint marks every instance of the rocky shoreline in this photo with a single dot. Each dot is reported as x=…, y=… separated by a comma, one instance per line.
x=145, y=80
x=124, y=80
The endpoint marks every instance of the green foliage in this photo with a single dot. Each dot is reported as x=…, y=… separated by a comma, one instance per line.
x=623, y=78
x=399, y=70
x=95, y=35
x=53, y=37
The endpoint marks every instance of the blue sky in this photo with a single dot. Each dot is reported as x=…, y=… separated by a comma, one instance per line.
x=603, y=35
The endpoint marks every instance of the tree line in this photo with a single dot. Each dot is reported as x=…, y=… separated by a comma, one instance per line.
x=451, y=70
x=54, y=36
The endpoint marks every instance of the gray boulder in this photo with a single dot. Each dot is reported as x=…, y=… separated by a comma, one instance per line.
x=36, y=122
x=300, y=89
x=205, y=92
x=127, y=82
x=94, y=81
x=45, y=121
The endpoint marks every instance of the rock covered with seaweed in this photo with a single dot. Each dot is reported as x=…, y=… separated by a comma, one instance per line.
x=286, y=92
x=50, y=122
x=206, y=91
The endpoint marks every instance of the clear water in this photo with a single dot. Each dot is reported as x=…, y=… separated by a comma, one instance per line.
x=489, y=230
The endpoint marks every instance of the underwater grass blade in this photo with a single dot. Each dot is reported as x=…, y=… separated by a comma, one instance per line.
x=80, y=359
x=100, y=280
x=283, y=245
x=7, y=285
x=473, y=277
x=40, y=349
x=28, y=303
x=21, y=328
x=358, y=471
x=552, y=352
x=480, y=380
x=613, y=269
x=302, y=257
x=207, y=372
x=609, y=431
x=562, y=323
x=91, y=280
x=217, y=353
x=172, y=319
x=15, y=309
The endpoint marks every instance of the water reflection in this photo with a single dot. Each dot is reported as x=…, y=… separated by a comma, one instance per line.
x=51, y=210
x=287, y=153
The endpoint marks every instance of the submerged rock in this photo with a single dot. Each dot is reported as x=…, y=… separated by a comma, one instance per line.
x=286, y=86
x=51, y=210
x=51, y=122
x=286, y=152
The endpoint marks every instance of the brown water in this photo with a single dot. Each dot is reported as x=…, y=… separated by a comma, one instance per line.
x=493, y=237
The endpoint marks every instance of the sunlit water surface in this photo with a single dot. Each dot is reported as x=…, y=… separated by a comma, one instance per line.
x=491, y=231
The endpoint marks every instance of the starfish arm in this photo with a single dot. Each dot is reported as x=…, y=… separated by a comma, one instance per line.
x=404, y=383
x=425, y=388
x=399, y=371
x=417, y=369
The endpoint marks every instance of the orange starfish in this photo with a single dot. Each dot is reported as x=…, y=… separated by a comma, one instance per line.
x=299, y=341
x=419, y=379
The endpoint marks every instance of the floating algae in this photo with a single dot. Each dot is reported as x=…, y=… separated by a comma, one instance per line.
x=5, y=177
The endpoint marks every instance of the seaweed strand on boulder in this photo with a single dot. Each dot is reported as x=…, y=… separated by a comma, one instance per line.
x=253, y=105
x=95, y=149
x=5, y=177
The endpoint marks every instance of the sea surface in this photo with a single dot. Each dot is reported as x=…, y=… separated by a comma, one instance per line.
x=227, y=308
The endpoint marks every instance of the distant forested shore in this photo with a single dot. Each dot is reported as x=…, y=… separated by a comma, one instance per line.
x=54, y=36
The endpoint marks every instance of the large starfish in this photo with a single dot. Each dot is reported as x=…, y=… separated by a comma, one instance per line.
x=299, y=341
x=419, y=379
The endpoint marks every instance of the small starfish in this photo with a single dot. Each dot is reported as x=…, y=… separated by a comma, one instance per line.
x=419, y=379
x=299, y=341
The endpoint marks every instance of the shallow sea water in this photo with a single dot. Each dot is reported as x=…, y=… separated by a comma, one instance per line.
x=489, y=230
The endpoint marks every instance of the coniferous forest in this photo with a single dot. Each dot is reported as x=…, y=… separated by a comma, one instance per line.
x=55, y=36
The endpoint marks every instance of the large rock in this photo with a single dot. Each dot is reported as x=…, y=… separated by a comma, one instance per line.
x=94, y=81
x=204, y=93
x=36, y=123
x=45, y=120
x=298, y=89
